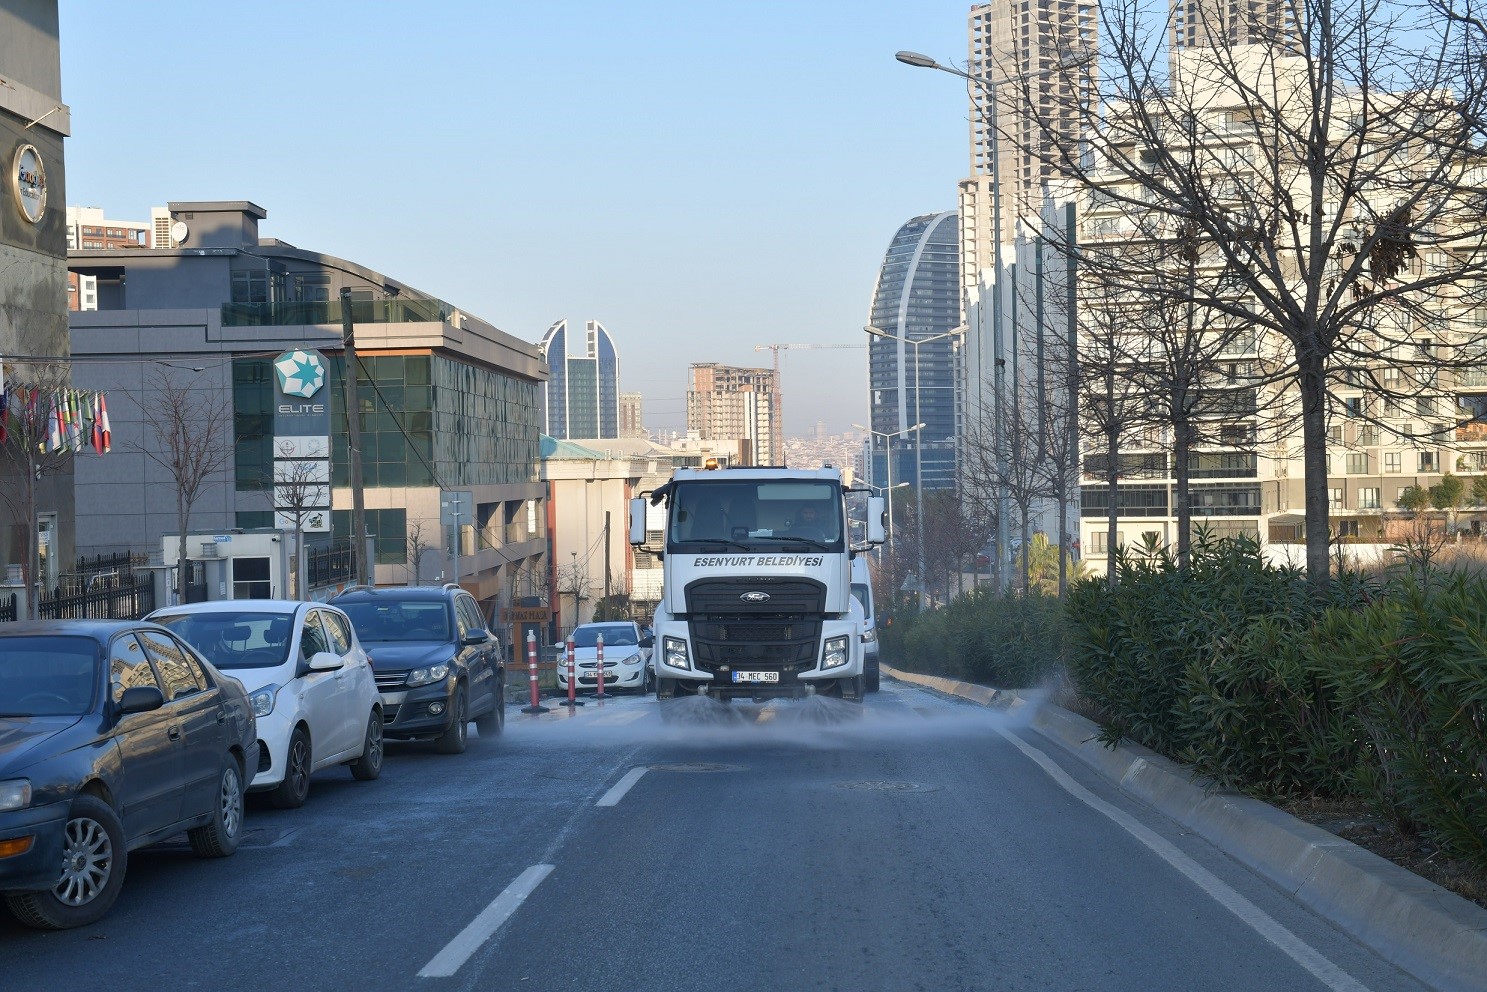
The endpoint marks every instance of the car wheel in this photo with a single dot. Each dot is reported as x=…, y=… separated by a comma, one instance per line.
x=291, y=793
x=219, y=838
x=453, y=740
x=93, y=864
x=492, y=723
x=369, y=765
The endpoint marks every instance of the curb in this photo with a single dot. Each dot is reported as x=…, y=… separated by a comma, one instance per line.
x=1423, y=929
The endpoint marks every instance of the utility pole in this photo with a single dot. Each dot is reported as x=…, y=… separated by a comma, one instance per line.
x=353, y=445
x=606, y=558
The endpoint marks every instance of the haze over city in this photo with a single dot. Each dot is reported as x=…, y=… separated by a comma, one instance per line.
x=701, y=178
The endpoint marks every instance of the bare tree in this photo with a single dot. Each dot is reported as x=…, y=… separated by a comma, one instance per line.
x=192, y=434
x=418, y=546
x=35, y=449
x=1331, y=171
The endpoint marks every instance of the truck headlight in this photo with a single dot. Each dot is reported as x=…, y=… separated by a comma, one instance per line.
x=838, y=652
x=15, y=794
x=674, y=650
x=263, y=700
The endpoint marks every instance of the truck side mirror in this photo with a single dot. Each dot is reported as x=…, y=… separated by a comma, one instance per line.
x=876, y=517
x=637, y=520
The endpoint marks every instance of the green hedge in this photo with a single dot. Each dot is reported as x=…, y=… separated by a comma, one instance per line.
x=1010, y=643
x=1236, y=668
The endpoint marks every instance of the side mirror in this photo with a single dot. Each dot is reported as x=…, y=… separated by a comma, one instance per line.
x=324, y=661
x=637, y=521
x=141, y=699
x=648, y=641
x=877, y=517
x=476, y=636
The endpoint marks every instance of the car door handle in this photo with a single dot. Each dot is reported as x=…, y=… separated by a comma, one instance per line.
x=221, y=716
x=174, y=733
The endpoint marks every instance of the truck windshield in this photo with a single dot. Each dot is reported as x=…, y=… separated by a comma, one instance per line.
x=756, y=513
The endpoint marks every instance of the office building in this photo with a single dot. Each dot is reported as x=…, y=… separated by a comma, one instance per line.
x=33, y=264
x=449, y=403
x=729, y=403
x=582, y=394
x=632, y=415
x=917, y=296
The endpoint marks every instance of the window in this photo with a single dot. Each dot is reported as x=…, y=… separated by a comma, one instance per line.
x=1347, y=528
x=128, y=667
x=1429, y=461
x=1393, y=461
x=1354, y=406
x=1424, y=406
x=1334, y=434
x=177, y=673
x=338, y=630
x=250, y=578
x=1368, y=498
x=1334, y=499
x=1357, y=463
x=469, y=615
x=250, y=287
x=1368, y=435
x=312, y=639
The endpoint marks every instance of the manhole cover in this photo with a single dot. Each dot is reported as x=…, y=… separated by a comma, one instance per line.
x=693, y=766
x=888, y=786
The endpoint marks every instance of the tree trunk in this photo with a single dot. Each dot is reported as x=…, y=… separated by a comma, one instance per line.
x=1112, y=512
x=183, y=513
x=1182, y=440
x=32, y=575
x=1313, y=388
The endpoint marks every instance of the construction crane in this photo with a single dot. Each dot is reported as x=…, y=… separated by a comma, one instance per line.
x=779, y=426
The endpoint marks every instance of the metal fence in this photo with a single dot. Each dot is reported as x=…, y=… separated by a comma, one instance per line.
x=329, y=564
x=106, y=597
x=7, y=608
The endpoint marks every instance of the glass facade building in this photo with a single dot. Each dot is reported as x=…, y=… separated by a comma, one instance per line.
x=583, y=393
x=917, y=297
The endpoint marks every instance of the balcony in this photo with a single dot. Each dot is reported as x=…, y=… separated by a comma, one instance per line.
x=284, y=314
x=1472, y=432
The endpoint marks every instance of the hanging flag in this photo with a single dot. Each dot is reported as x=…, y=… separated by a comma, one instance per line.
x=103, y=419
x=97, y=433
x=79, y=430
x=58, y=425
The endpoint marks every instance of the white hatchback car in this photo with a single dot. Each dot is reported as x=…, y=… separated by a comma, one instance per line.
x=309, y=682
x=626, y=657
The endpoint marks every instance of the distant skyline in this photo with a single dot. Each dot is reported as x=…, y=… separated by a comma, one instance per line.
x=701, y=178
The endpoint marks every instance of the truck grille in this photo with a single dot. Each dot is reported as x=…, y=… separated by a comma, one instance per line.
x=787, y=595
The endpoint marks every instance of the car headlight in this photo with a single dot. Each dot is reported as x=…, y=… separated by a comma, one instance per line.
x=837, y=653
x=675, y=652
x=869, y=636
x=15, y=794
x=429, y=675
x=262, y=701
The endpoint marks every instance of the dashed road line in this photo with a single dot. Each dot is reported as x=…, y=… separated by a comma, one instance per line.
x=468, y=941
x=614, y=795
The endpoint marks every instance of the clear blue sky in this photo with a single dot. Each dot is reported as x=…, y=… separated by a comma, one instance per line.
x=700, y=177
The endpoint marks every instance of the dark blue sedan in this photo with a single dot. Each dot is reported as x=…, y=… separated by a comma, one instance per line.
x=113, y=735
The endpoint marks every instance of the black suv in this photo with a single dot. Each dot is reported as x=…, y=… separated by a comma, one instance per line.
x=437, y=666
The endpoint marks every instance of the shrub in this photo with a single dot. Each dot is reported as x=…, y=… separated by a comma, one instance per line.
x=1010, y=643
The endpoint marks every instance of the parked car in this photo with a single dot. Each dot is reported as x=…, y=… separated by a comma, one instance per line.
x=627, y=655
x=862, y=591
x=308, y=679
x=113, y=735
x=437, y=666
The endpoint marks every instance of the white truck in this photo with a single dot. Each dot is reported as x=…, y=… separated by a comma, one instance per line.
x=756, y=598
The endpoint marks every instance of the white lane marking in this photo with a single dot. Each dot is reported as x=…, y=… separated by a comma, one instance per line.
x=614, y=795
x=458, y=950
x=1257, y=919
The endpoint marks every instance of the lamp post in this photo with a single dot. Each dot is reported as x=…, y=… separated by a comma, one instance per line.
x=888, y=457
x=919, y=439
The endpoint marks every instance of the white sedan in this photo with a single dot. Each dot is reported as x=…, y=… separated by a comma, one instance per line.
x=627, y=656
x=308, y=680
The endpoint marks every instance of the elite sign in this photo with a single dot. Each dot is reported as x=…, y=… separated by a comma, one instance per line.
x=301, y=441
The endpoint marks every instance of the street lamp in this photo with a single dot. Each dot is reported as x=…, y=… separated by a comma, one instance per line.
x=919, y=439
x=888, y=457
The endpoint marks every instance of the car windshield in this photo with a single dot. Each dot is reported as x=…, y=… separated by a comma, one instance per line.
x=382, y=620
x=760, y=513
x=47, y=676
x=233, y=640
x=616, y=634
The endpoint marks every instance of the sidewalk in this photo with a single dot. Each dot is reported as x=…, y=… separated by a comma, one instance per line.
x=1425, y=930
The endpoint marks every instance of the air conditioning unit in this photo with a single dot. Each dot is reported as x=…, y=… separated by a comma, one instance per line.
x=209, y=549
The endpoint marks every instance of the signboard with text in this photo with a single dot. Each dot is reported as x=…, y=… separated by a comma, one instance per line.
x=302, y=496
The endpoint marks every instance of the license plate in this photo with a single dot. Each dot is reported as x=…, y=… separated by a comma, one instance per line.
x=756, y=676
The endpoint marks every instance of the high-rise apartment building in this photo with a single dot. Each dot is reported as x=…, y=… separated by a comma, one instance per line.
x=583, y=395
x=1221, y=23
x=632, y=415
x=733, y=404
x=1045, y=46
x=917, y=297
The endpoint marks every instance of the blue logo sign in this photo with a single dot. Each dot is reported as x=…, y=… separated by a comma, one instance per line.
x=300, y=373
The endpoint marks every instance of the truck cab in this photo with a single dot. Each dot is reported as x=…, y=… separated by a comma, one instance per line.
x=756, y=597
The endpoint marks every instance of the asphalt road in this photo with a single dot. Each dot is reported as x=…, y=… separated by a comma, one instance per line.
x=923, y=845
